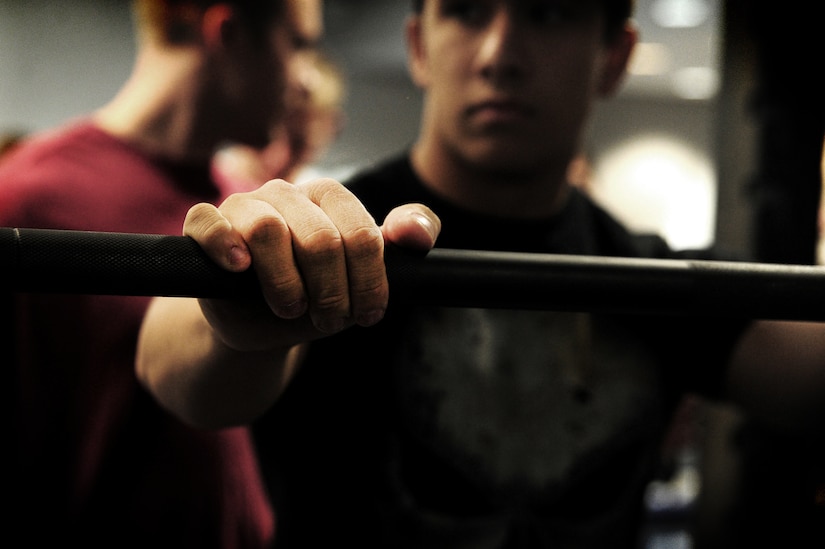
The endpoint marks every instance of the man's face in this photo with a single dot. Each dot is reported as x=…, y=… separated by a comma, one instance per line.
x=509, y=83
x=268, y=68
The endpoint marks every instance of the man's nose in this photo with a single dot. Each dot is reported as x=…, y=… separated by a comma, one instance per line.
x=503, y=53
x=299, y=81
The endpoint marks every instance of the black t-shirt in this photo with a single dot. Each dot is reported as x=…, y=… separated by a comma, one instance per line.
x=451, y=427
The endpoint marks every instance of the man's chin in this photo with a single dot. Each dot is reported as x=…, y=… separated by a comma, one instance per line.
x=504, y=160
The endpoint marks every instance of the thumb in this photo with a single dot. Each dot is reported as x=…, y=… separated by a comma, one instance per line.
x=413, y=226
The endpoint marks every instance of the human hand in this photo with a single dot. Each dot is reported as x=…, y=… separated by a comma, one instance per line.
x=317, y=253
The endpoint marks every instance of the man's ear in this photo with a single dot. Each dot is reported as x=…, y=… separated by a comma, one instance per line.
x=416, y=52
x=218, y=25
x=618, y=57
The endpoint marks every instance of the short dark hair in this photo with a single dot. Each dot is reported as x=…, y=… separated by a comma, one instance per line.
x=258, y=7
x=616, y=12
x=171, y=18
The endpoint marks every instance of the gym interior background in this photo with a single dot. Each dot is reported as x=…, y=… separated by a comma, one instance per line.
x=657, y=140
x=716, y=137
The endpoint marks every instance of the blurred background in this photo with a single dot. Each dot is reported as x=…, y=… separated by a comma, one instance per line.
x=677, y=152
x=658, y=141
x=716, y=137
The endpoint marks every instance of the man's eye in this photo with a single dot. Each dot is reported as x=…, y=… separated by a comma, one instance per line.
x=467, y=11
x=554, y=12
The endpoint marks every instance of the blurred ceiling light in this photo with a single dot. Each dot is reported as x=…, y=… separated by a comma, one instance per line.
x=697, y=83
x=649, y=59
x=679, y=13
x=661, y=184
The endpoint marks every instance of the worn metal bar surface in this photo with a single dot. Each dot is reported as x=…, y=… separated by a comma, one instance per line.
x=80, y=262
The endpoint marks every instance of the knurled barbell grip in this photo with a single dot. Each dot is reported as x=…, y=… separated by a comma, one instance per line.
x=61, y=261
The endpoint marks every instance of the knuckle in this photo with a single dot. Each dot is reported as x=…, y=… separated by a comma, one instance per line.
x=331, y=302
x=283, y=289
x=265, y=231
x=365, y=241
x=205, y=222
x=372, y=292
x=232, y=201
x=320, y=185
x=200, y=211
x=273, y=190
x=323, y=241
x=326, y=190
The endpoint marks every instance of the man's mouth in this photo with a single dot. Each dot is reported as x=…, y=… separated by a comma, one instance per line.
x=500, y=112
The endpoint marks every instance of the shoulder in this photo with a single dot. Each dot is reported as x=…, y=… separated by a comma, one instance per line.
x=60, y=153
x=613, y=236
x=30, y=176
x=621, y=241
x=70, y=136
x=386, y=171
x=60, y=176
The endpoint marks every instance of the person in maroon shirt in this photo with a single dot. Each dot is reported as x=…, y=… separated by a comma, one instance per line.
x=95, y=462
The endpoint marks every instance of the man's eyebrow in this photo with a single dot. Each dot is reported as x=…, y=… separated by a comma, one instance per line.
x=303, y=42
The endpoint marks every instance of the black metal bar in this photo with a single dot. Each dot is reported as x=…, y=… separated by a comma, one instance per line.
x=82, y=262
x=59, y=261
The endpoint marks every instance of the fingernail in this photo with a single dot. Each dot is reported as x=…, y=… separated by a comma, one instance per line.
x=237, y=256
x=425, y=222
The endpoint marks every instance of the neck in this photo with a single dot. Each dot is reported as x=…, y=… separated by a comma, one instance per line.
x=159, y=115
x=512, y=194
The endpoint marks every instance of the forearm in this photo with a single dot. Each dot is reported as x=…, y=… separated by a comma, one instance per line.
x=199, y=378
